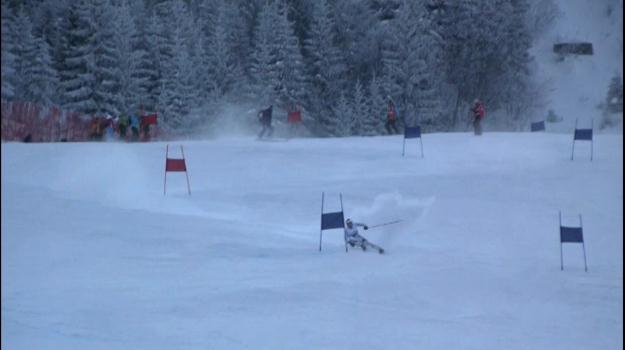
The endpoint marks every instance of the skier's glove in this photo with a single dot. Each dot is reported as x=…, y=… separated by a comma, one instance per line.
x=366, y=227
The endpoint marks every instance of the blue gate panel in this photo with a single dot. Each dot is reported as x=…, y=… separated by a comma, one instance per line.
x=332, y=220
x=412, y=132
x=583, y=134
x=538, y=126
x=571, y=234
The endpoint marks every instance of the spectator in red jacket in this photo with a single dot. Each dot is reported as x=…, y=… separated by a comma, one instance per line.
x=478, y=114
x=391, y=117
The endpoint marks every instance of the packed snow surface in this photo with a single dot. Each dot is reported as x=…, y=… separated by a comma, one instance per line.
x=575, y=87
x=94, y=256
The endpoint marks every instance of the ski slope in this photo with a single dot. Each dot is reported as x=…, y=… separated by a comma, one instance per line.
x=575, y=87
x=95, y=257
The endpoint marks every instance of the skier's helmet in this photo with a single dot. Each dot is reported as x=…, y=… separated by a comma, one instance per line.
x=348, y=222
x=476, y=101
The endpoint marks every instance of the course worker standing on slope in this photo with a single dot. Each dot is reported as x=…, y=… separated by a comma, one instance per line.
x=478, y=114
x=391, y=117
x=353, y=238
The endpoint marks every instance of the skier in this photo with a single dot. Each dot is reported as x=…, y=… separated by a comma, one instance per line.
x=264, y=116
x=391, y=116
x=478, y=115
x=354, y=239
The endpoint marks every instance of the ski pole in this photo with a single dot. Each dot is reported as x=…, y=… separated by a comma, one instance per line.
x=384, y=224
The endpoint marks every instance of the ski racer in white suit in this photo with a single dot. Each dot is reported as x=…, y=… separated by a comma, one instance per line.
x=353, y=238
x=351, y=233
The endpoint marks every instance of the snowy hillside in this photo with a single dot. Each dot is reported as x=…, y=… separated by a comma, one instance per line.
x=95, y=257
x=576, y=86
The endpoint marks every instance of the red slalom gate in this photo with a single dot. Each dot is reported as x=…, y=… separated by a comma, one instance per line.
x=175, y=165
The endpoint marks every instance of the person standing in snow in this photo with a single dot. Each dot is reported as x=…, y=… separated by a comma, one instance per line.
x=109, y=128
x=391, y=117
x=145, y=129
x=123, y=125
x=353, y=238
x=264, y=117
x=478, y=114
x=96, y=129
x=134, y=126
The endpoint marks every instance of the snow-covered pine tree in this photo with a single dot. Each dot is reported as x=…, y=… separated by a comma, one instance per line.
x=38, y=75
x=425, y=82
x=47, y=17
x=476, y=51
x=541, y=16
x=515, y=89
x=394, y=54
x=8, y=57
x=247, y=19
x=169, y=98
x=496, y=52
x=177, y=104
x=190, y=36
x=290, y=66
x=77, y=78
x=358, y=38
x=263, y=72
x=52, y=32
x=205, y=12
x=107, y=92
x=459, y=31
x=125, y=31
x=359, y=108
x=223, y=69
x=21, y=32
x=373, y=124
x=169, y=95
x=326, y=64
x=438, y=18
x=145, y=75
x=301, y=14
x=182, y=18
x=343, y=122
x=176, y=39
x=240, y=42
x=202, y=81
x=165, y=22
x=203, y=112
x=186, y=72
x=409, y=59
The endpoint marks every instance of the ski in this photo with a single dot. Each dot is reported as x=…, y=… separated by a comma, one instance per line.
x=366, y=244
